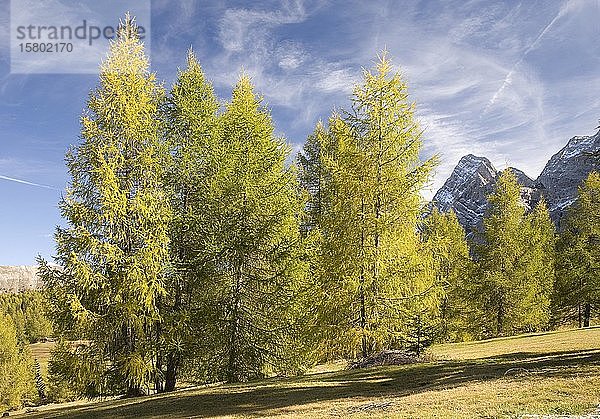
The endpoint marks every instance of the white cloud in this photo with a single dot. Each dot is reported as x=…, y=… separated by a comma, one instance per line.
x=25, y=182
x=240, y=28
x=508, y=80
x=340, y=79
x=284, y=70
x=291, y=55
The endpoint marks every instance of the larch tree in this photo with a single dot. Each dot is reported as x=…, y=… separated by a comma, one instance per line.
x=329, y=226
x=315, y=186
x=539, y=272
x=16, y=368
x=515, y=267
x=500, y=254
x=192, y=131
x=256, y=250
x=312, y=176
x=113, y=251
x=447, y=243
x=373, y=273
x=577, y=286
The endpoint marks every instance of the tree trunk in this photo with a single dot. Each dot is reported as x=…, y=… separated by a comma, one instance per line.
x=586, y=315
x=232, y=376
x=363, y=310
x=133, y=390
x=363, y=320
x=173, y=358
x=158, y=380
x=444, y=317
x=231, y=365
x=579, y=316
x=500, y=319
x=418, y=335
x=171, y=373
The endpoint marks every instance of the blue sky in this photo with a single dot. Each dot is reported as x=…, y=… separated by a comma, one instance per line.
x=509, y=80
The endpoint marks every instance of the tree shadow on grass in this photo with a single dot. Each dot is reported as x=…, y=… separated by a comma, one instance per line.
x=257, y=397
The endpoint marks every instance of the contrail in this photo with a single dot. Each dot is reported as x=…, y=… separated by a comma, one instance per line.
x=508, y=79
x=24, y=182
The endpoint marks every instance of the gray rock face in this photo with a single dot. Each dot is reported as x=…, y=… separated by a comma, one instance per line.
x=15, y=279
x=531, y=192
x=474, y=179
x=466, y=190
x=565, y=171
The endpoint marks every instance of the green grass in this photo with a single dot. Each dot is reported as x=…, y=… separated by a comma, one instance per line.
x=552, y=373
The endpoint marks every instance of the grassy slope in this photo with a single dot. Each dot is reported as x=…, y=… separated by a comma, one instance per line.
x=553, y=373
x=41, y=352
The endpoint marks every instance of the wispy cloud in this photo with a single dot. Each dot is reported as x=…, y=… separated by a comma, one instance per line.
x=288, y=73
x=453, y=56
x=25, y=182
x=247, y=41
x=508, y=80
x=240, y=27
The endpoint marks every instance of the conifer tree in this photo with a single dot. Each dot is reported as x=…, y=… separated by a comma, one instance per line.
x=16, y=368
x=255, y=236
x=113, y=251
x=313, y=176
x=192, y=133
x=515, y=263
x=312, y=179
x=539, y=272
x=371, y=273
x=500, y=254
x=27, y=311
x=577, y=284
x=447, y=243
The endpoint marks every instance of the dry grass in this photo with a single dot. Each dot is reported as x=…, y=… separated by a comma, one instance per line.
x=559, y=341
x=554, y=373
x=41, y=352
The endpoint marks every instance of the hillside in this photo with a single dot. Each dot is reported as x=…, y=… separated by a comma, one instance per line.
x=550, y=373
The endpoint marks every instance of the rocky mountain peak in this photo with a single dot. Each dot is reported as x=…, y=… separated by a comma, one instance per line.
x=522, y=178
x=474, y=179
x=471, y=164
x=565, y=171
x=466, y=189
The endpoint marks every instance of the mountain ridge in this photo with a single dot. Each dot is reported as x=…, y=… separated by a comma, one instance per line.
x=15, y=279
x=467, y=188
